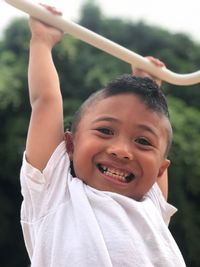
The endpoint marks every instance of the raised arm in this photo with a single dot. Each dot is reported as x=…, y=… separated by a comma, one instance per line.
x=46, y=123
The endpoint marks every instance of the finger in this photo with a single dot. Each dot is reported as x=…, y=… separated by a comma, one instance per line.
x=156, y=61
x=52, y=9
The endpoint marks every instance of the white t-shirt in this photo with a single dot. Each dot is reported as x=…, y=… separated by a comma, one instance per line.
x=67, y=223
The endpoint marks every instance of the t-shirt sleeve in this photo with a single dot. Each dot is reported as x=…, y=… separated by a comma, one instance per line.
x=165, y=209
x=44, y=191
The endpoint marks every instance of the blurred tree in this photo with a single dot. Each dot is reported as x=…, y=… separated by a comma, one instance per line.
x=82, y=70
x=14, y=112
x=184, y=178
x=91, y=16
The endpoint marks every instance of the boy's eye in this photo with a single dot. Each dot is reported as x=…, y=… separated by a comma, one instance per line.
x=105, y=131
x=143, y=141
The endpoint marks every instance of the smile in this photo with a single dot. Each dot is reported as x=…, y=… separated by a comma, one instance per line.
x=121, y=176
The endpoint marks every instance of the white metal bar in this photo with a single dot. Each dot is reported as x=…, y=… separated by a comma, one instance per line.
x=104, y=44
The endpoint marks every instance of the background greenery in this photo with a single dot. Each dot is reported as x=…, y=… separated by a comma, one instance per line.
x=83, y=69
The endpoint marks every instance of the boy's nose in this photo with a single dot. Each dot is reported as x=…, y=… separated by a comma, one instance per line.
x=120, y=151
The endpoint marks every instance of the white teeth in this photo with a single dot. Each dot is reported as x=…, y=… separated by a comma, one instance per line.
x=115, y=173
x=104, y=168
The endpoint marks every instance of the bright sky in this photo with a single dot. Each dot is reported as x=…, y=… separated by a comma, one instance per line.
x=173, y=15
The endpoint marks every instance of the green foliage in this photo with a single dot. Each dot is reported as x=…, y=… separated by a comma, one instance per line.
x=82, y=70
x=91, y=16
x=13, y=40
x=10, y=83
x=14, y=111
x=184, y=178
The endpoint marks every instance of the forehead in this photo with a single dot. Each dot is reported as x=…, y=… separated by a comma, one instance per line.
x=126, y=108
x=121, y=103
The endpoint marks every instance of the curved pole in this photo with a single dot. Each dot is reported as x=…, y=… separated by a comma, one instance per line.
x=104, y=44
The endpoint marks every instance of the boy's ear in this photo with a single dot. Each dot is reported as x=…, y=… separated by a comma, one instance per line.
x=163, y=168
x=69, y=144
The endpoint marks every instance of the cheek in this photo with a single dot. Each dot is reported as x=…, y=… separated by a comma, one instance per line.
x=78, y=166
x=151, y=163
x=82, y=158
x=87, y=145
x=86, y=151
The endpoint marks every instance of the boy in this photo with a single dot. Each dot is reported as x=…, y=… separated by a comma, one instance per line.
x=114, y=213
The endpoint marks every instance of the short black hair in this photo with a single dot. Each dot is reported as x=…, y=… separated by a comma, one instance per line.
x=144, y=88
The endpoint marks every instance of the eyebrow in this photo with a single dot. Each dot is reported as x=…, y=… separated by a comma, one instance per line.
x=149, y=129
x=141, y=126
x=111, y=119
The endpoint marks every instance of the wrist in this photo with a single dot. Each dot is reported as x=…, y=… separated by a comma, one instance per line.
x=42, y=42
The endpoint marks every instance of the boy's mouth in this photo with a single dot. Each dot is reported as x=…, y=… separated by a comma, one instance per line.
x=121, y=176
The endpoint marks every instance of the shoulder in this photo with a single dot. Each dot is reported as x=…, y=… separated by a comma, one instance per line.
x=44, y=191
x=165, y=209
x=57, y=159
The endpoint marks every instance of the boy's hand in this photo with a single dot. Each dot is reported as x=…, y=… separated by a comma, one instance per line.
x=43, y=32
x=142, y=73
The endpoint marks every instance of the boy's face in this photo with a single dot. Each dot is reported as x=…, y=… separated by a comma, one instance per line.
x=119, y=146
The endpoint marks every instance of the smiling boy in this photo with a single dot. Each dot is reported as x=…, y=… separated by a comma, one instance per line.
x=120, y=143
x=110, y=212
